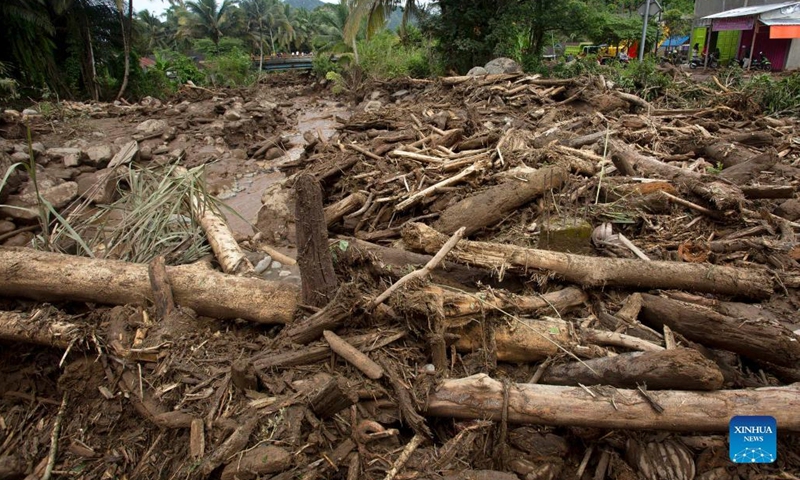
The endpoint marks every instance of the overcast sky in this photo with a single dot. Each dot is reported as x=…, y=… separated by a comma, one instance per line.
x=159, y=6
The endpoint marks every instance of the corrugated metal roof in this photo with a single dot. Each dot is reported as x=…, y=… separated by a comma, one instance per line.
x=748, y=11
x=781, y=21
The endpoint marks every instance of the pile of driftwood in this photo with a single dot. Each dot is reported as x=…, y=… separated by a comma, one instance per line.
x=502, y=277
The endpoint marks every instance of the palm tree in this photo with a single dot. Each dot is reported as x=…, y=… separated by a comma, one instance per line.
x=303, y=26
x=332, y=20
x=151, y=30
x=376, y=12
x=209, y=18
x=27, y=31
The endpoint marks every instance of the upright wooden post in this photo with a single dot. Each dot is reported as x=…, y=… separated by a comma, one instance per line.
x=313, y=254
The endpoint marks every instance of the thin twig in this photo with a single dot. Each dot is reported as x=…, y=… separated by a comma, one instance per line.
x=433, y=263
x=404, y=456
x=51, y=459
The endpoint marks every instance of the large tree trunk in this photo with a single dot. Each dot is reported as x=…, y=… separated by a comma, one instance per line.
x=597, y=271
x=319, y=281
x=44, y=276
x=679, y=368
x=492, y=205
x=761, y=340
x=126, y=42
x=481, y=397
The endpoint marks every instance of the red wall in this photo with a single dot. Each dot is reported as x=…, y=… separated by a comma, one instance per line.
x=775, y=49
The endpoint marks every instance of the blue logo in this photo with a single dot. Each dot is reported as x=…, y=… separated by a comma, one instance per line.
x=753, y=439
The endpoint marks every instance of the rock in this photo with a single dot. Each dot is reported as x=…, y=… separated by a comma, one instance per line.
x=790, y=209
x=261, y=460
x=232, y=115
x=502, y=65
x=276, y=265
x=566, y=234
x=30, y=111
x=70, y=156
x=239, y=154
x=12, y=181
x=20, y=157
x=477, y=72
x=263, y=265
x=99, y=155
x=99, y=187
x=182, y=107
x=58, y=196
x=171, y=112
x=150, y=102
x=64, y=173
x=376, y=94
x=146, y=153
x=372, y=106
x=276, y=216
x=151, y=126
x=160, y=150
x=6, y=226
x=400, y=93
x=21, y=239
x=38, y=148
x=273, y=153
x=77, y=143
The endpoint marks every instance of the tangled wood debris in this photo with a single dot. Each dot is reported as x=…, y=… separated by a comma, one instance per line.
x=504, y=276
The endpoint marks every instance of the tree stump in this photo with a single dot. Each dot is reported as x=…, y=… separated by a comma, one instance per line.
x=314, y=258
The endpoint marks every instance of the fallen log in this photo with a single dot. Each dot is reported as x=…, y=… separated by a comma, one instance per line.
x=679, y=368
x=519, y=341
x=744, y=172
x=45, y=276
x=461, y=306
x=350, y=203
x=759, y=340
x=722, y=195
x=492, y=205
x=394, y=263
x=40, y=329
x=482, y=397
x=597, y=271
x=726, y=153
x=227, y=251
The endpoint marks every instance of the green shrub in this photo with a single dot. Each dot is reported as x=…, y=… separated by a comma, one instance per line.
x=151, y=82
x=775, y=97
x=385, y=56
x=232, y=69
x=178, y=68
x=578, y=67
x=641, y=78
x=323, y=63
x=226, y=45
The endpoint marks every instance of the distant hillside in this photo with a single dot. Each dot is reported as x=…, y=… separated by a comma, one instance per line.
x=307, y=4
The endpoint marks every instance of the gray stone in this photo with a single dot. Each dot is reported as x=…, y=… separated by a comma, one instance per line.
x=376, y=94
x=502, y=65
x=69, y=155
x=20, y=157
x=30, y=111
x=150, y=102
x=276, y=265
x=58, y=196
x=99, y=155
x=38, y=148
x=263, y=265
x=477, y=72
x=400, y=93
x=6, y=226
x=77, y=143
x=372, y=106
x=151, y=126
x=98, y=187
x=22, y=239
x=232, y=115
x=239, y=153
x=790, y=209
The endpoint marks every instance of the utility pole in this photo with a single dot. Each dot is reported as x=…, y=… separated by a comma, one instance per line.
x=644, y=29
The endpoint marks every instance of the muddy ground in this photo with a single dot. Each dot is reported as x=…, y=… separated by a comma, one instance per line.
x=187, y=396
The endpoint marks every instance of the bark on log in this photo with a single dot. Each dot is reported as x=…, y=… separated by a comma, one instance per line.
x=162, y=290
x=44, y=276
x=722, y=195
x=744, y=172
x=755, y=139
x=726, y=153
x=350, y=203
x=763, y=340
x=680, y=368
x=329, y=318
x=768, y=191
x=492, y=205
x=481, y=397
x=521, y=341
x=598, y=271
x=334, y=397
x=459, y=307
x=589, y=139
x=40, y=330
x=394, y=263
x=313, y=255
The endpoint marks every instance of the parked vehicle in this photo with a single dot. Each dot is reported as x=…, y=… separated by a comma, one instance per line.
x=761, y=62
x=700, y=61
